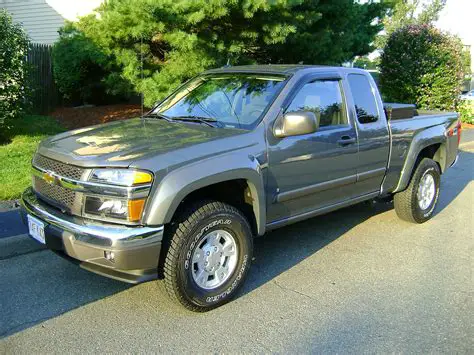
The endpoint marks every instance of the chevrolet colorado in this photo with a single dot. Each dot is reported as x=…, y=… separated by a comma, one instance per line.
x=180, y=192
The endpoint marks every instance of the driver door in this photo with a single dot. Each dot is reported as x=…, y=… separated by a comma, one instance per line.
x=315, y=170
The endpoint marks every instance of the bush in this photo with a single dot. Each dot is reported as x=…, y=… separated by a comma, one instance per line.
x=422, y=65
x=466, y=111
x=13, y=49
x=81, y=69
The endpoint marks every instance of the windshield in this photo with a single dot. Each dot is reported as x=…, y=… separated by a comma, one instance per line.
x=232, y=100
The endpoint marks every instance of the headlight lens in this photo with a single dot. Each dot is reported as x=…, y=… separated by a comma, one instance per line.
x=128, y=210
x=122, y=177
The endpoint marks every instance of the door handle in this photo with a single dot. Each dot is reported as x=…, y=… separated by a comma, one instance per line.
x=346, y=140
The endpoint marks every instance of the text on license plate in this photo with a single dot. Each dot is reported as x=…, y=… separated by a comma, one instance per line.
x=36, y=229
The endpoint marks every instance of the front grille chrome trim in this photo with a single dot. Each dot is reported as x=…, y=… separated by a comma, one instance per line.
x=57, y=195
x=88, y=187
x=62, y=169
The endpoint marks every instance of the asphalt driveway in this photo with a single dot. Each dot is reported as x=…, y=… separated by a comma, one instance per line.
x=356, y=280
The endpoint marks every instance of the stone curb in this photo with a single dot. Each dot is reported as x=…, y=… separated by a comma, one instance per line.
x=466, y=144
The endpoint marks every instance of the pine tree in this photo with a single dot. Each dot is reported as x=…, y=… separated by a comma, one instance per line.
x=179, y=38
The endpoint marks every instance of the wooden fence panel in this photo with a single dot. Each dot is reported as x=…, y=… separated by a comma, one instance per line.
x=45, y=95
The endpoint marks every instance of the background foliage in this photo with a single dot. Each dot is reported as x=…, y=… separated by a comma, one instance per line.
x=83, y=72
x=366, y=63
x=466, y=111
x=408, y=12
x=13, y=71
x=422, y=65
x=179, y=38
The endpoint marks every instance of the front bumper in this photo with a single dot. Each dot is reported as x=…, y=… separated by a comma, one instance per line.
x=135, y=250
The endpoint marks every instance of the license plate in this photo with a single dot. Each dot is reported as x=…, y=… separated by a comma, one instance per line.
x=36, y=229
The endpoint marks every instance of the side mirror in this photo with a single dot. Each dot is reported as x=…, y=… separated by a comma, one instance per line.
x=296, y=124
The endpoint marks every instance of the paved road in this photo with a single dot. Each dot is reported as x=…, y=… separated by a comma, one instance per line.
x=357, y=280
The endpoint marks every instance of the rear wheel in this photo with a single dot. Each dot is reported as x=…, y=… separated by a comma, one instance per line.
x=417, y=203
x=209, y=255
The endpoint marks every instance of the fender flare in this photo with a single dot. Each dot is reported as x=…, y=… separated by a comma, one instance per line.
x=425, y=138
x=179, y=183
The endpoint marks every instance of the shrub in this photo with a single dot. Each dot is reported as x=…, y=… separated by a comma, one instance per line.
x=422, y=65
x=466, y=111
x=13, y=49
x=81, y=69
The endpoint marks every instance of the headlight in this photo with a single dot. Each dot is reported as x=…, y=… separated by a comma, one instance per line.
x=122, y=177
x=128, y=210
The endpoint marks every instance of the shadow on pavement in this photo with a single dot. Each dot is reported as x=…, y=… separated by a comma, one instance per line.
x=11, y=224
x=283, y=248
x=42, y=285
x=280, y=250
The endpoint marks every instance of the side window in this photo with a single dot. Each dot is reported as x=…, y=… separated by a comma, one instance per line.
x=364, y=99
x=324, y=98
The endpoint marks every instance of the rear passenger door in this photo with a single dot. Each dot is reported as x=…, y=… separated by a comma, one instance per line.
x=373, y=134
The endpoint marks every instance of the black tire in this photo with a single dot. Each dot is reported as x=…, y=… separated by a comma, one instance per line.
x=406, y=202
x=188, y=231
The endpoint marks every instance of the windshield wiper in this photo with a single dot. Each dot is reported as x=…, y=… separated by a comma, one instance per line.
x=192, y=118
x=157, y=115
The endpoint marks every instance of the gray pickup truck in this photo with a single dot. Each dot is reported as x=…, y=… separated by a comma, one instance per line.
x=181, y=192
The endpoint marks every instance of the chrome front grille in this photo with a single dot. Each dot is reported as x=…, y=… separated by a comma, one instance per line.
x=55, y=194
x=61, y=169
x=52, y=193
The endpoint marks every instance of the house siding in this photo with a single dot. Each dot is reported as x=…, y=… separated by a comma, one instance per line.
x=39, y=19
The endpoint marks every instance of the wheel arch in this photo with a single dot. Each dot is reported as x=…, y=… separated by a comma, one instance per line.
x=427, y=144
x=238, y=186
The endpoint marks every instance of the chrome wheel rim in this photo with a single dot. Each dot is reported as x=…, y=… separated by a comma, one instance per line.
x=214, y=259
x=426, y=191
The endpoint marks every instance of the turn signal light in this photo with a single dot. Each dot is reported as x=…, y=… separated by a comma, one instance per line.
x=135, y=209
x=141, y=177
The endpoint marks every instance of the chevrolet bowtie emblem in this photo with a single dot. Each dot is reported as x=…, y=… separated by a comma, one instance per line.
x=49, y=178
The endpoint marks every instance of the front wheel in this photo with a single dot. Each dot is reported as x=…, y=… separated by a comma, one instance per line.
x=417, y=203
x=209, y=255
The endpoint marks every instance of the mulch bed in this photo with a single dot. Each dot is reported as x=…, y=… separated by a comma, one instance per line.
x=77, y=117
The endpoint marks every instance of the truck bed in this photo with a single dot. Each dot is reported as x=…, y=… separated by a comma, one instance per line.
x=424, y=127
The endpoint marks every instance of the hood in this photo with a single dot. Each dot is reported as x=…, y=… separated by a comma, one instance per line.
x=123, y=142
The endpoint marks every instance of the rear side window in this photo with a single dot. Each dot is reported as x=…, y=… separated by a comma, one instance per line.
x=364, y=99
x=324, y=98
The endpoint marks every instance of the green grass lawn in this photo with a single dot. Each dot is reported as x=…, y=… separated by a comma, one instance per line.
x=15, y=157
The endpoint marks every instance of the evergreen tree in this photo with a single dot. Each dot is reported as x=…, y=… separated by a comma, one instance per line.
x=179, y=38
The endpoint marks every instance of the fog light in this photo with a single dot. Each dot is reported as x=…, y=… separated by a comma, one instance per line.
x=109, y=255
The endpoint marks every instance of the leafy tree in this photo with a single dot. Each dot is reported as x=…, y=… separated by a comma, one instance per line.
x=408, y=12
x=466, y=59
x=13, y=48
x=179, y=38
x=365, y=63
x=422, y=65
